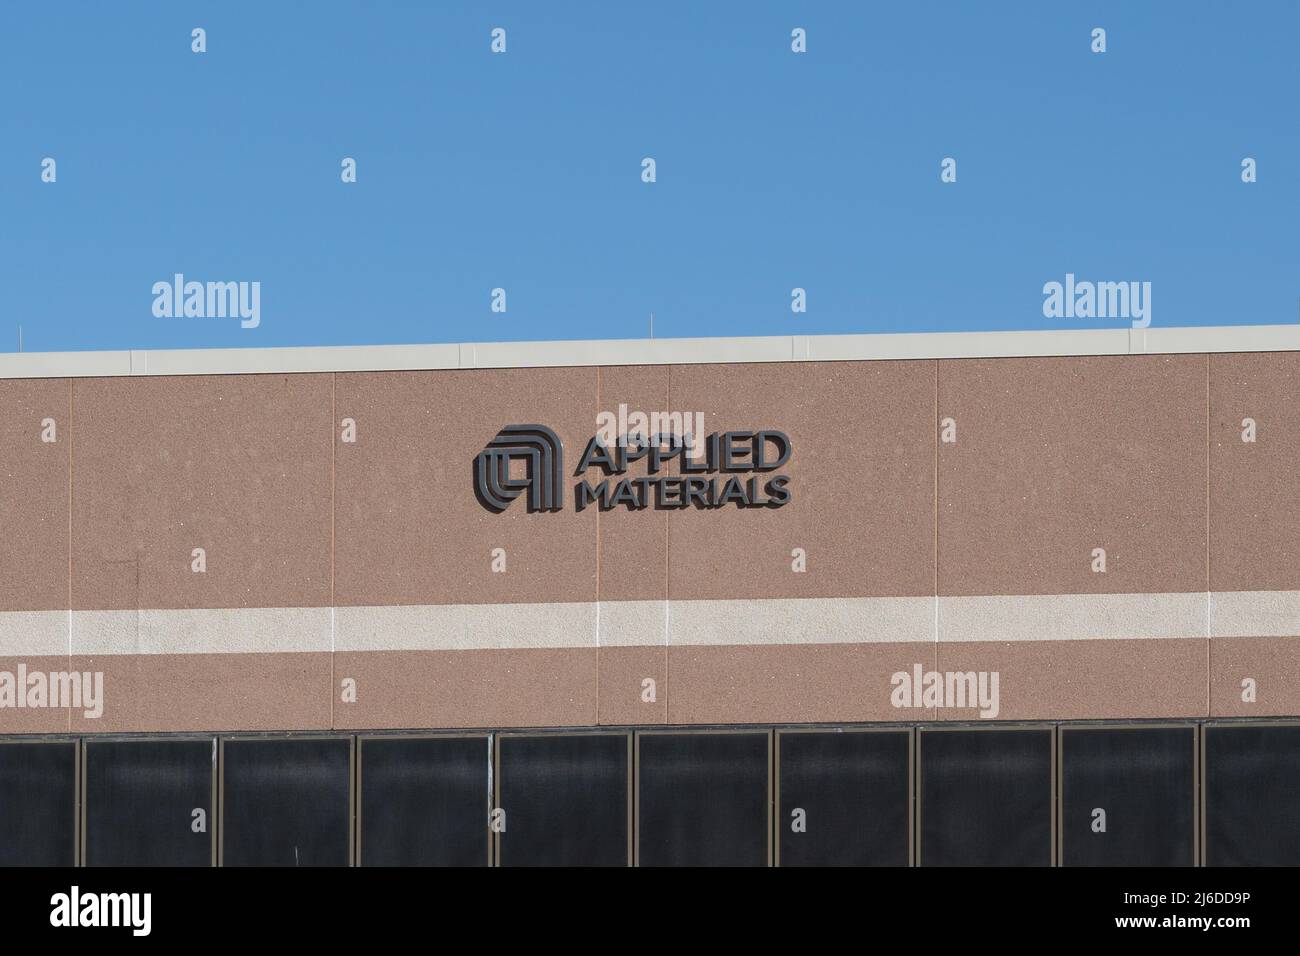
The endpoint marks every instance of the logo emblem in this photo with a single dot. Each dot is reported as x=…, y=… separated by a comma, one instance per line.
x=543, y=456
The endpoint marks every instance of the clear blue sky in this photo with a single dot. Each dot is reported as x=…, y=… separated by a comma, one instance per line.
x=522, y=170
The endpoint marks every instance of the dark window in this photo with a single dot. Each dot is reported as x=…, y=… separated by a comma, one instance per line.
x=38, y=804
x=149, y=802
x=986, y=797
x=1128, y=796
x=849, y=793
x=425, y=801
x=565, y=799
x=703, y=799
x=285, y=801
x=1252, y=795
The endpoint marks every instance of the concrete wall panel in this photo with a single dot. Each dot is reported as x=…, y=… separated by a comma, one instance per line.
x=236, y=465
x=1056, y=457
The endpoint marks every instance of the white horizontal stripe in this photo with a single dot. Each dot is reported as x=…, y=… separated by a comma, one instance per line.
x=634, y=623
x=462, y=627
x=202, y=631
x=775, y=348
x=869, y=620
x=1255, y=613
x=879, y=620
x=33, y=633
x=1071, y=617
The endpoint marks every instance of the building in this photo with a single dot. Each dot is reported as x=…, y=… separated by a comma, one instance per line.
x=230, y=578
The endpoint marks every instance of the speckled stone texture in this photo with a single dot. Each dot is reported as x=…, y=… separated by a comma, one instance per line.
x=372, y=561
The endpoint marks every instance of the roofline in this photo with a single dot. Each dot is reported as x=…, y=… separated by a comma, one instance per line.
x=692, y=351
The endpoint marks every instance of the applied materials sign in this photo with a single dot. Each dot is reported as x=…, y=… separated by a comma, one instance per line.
x=725, y=469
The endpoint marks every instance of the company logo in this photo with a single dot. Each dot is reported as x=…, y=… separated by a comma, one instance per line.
x=712, y=480
x=730, y=468
x=542, y=456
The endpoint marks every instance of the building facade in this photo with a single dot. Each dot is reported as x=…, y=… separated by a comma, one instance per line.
x=908, y=541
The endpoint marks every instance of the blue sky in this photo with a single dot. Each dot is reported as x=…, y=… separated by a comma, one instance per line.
x=523, y=170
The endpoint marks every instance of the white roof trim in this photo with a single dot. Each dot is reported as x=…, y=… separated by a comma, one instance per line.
x=776, y=348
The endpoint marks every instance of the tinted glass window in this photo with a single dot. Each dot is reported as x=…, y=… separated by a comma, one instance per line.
x=565, y=799
x=1128, y=796
x=38, y=804
x=286, y=802
x=1252, y=795
x=149, y=802
x=986, y=797
x=425, y=801
x=844, y=798
x=703, y=799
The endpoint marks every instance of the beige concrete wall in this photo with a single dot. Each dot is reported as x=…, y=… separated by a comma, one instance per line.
x=371, y=561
